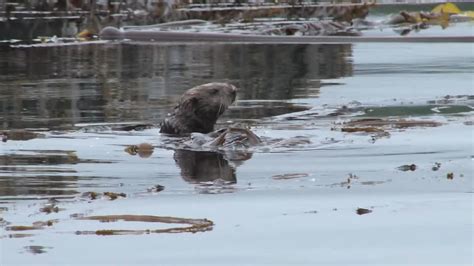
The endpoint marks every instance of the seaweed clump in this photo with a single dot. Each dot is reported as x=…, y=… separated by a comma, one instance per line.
x=195, y=225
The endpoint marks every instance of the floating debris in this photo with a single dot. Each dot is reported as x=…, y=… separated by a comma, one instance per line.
x=373, y=183
x=436, y=166
x=77, y=215
x=45, y=223
x=196, y=225
x=362, y=211
x=3, y=222
x=379, y=135
x=92, y=195
x=49, y=208
x=110, y=195
x=349, y=180
x=156, y=188
x=353, y=176
x=407, y=167
x=347, y=183
x=114, y=196
x=450, y=176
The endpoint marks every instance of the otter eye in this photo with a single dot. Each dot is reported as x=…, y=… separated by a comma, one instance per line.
x=214, y=91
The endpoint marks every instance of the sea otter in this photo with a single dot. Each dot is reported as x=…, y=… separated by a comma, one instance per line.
x=199, y=108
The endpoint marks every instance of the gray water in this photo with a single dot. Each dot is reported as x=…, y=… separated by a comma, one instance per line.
x=74, y=97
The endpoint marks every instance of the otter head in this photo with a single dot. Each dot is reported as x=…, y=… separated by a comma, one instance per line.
x=208, y=101
x=199, y=108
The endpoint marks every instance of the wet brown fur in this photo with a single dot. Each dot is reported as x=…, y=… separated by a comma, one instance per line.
x=199, y=108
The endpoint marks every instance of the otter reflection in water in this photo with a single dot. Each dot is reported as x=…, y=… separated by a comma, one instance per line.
x=204, y=166
x=226, y=149
x=230, y=148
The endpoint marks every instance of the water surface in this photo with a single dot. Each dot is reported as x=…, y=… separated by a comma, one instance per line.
x=73, y=99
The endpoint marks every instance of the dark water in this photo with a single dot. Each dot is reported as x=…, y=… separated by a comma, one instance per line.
x=58, y=87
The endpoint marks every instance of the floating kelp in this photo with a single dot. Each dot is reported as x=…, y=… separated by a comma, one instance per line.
x=91, y=195
x=289, y=176
x=379, y=128
x=50, y=208
x=45, y=158
x=362, y=129
x=114, y=196
x=450, y=176
x=19, y=235
x=144, y=150
x=35, y=226
x=22, y=228
x=373, y=183
x=109, y=195
x=196, y=225
x=375, y=124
